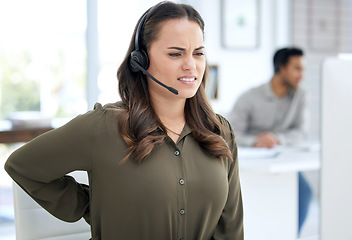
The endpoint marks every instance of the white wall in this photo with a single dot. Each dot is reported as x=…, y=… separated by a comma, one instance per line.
x=242, y=69
x=323, y=28
x=336, y=178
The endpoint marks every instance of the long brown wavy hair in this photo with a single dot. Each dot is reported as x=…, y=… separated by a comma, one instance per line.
x=138, y=124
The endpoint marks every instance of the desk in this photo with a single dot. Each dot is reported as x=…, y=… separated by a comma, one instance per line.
x=15, y=135
x=270, y=191
x=21, y=135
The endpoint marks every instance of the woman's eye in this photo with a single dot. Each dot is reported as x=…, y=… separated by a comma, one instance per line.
x=174, y=54
x=199, y=54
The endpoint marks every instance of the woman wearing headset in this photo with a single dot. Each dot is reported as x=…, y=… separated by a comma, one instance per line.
x=161, y=164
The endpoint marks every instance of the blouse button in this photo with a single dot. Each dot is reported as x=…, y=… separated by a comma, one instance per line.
x=182, y=181
x=177, y=152
x=182, y=211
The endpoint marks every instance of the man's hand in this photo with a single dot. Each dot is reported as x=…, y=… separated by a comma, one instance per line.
x=266, y=140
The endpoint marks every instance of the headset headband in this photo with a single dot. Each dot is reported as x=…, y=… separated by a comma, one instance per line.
x=138, y=31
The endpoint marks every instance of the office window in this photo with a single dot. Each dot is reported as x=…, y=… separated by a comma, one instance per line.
x=43, y=57
x=42, y=68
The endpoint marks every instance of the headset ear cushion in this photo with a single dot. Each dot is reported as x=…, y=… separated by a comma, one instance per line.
x=139, y=57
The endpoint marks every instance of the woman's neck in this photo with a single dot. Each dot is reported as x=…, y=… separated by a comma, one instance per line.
x=171, y=113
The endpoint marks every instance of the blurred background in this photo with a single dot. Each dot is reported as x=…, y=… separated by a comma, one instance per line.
x=59, y=57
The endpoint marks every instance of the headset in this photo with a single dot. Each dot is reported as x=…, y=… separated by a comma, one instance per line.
x=139, y=56
x=139, y=59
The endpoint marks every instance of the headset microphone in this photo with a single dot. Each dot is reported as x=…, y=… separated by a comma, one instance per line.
x=173, y=90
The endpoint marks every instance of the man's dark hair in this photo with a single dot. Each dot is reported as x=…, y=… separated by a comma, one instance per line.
x=282, y=56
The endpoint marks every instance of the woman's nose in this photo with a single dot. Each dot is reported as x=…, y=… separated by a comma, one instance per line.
x=189, y=63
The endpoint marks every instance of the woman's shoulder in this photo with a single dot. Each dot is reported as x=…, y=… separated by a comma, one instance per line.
x=119, y=105
x=107, y=109
x=98, y=107
x=226, y=127
x=224, y=122
x=101, y=114
x=100, y=120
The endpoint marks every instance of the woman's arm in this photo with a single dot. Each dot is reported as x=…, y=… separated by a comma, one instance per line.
x=40, y=167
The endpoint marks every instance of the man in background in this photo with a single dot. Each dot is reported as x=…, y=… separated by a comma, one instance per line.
x=274, y=114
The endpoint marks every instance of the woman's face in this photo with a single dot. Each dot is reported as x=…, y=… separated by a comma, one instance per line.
x=177, y=58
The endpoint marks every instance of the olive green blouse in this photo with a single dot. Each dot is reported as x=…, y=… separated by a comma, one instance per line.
x=178, y=192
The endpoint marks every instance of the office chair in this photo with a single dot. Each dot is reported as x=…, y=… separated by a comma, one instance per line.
x=33, y=222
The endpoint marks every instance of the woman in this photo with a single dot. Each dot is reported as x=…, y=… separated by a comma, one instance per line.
x=161, y=165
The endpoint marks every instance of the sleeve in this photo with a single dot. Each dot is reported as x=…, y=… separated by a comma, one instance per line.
x=299, y=126
x=40, y=167
x=239, y=118
x=230, y=225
